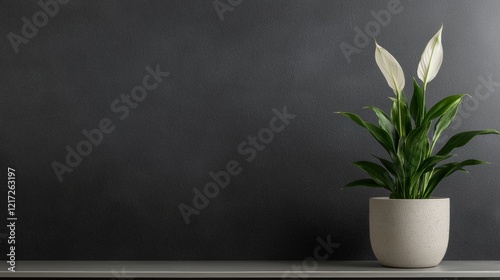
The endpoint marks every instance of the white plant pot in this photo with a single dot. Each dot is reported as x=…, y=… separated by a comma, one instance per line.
x=409, y=233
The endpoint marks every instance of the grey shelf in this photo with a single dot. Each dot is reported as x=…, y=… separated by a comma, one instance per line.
x=244, y=269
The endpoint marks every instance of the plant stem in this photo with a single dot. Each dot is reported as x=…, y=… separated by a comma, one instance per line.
x=427, y=176
x=399, y=114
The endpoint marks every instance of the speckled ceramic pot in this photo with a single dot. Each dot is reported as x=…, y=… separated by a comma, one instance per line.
x=409, y=233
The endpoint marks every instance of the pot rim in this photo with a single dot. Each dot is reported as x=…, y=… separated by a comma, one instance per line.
x=409, y=199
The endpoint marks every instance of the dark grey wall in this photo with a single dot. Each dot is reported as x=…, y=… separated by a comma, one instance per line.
x=226, y=76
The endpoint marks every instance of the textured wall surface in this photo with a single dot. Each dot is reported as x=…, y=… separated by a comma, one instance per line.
x=232, y=68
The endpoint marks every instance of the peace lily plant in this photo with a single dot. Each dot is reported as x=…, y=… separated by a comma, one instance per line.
x=414, y=168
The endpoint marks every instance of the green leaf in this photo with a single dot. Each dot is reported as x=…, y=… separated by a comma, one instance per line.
x=462, y=138
x=403, y=98
x=394, y=114
x=405, y=115
x=394, y=195
x=417, y=105
x=381, y=135
x=429, y=163
x=384, y=121
x=378, y=173
x=415, y=147
x=442, y=107
x=402, y=150
x=446, y=170
x=390, y=166
x=445, y=121
x=407, y=119
x=418, y=135
x=363, y=182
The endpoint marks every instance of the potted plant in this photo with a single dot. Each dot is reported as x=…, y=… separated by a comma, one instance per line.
x=410, y=228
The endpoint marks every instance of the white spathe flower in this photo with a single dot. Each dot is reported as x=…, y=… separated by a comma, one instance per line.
x=391, y=69
x=431, y=59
